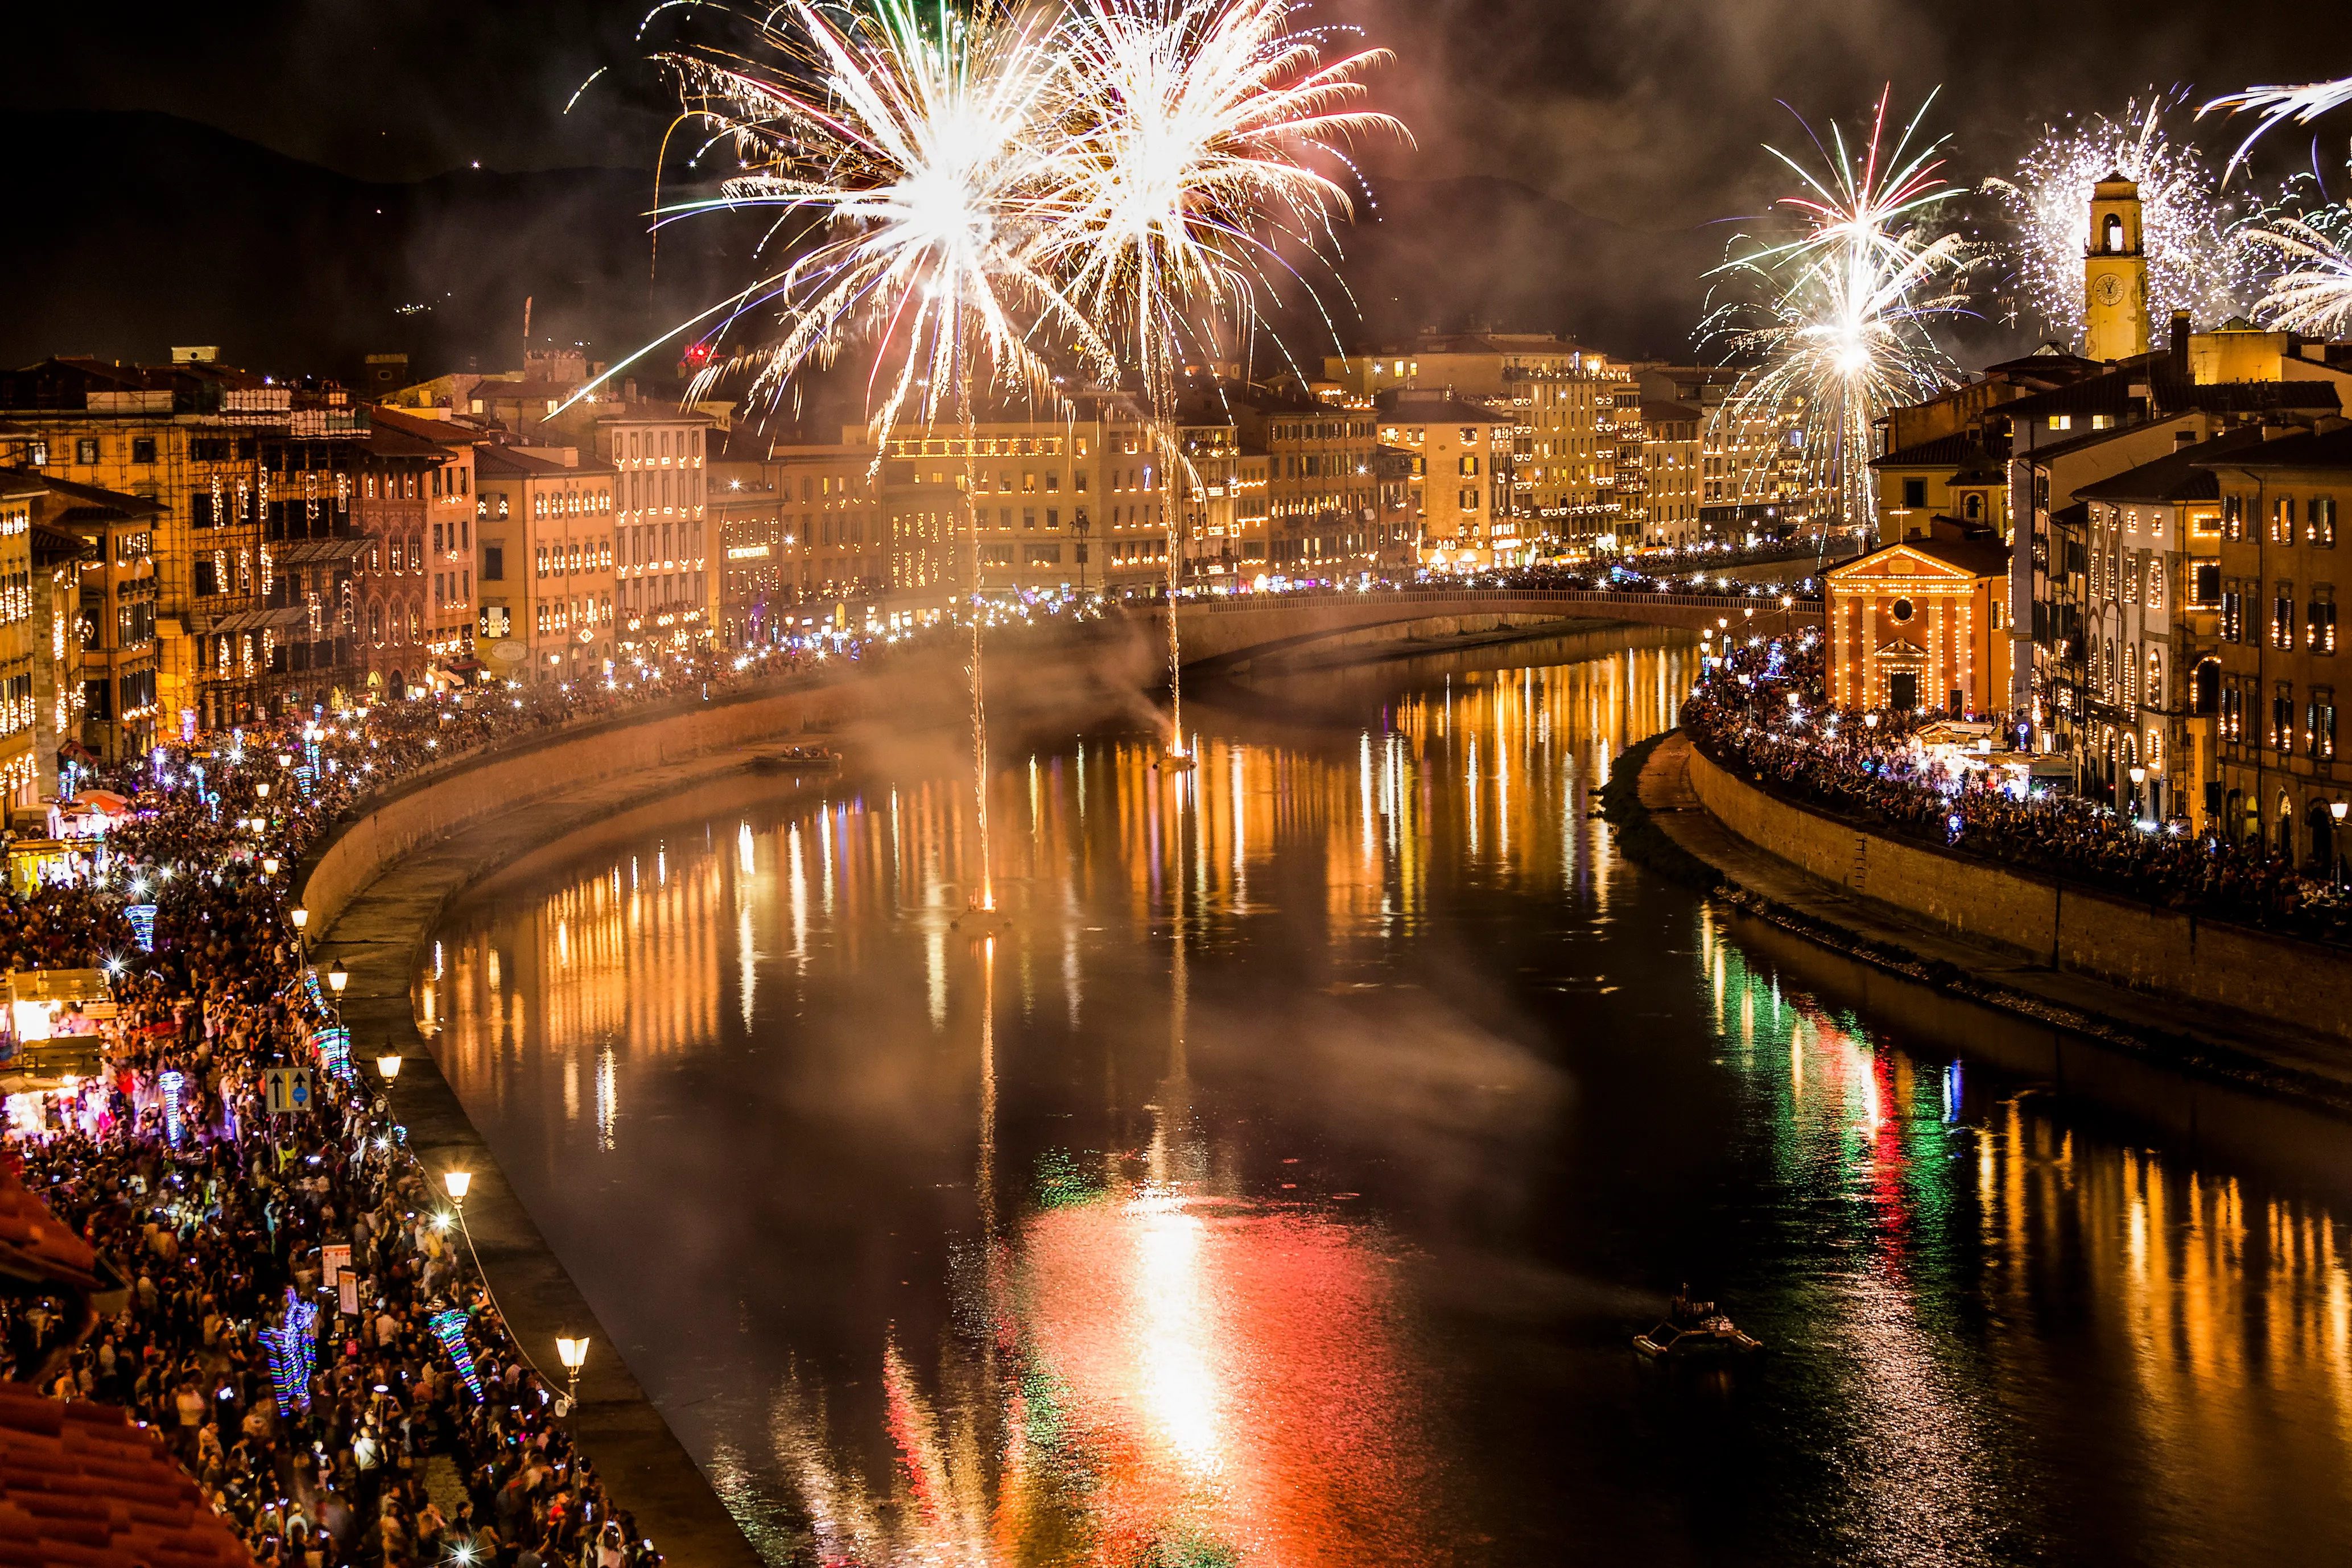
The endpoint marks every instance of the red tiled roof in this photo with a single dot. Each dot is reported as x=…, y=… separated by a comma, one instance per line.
x=36, y=1246
x=79, y=1484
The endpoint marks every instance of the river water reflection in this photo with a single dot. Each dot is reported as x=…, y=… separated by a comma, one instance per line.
x=1285, y=1185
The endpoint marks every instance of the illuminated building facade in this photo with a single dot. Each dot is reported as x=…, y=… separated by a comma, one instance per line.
x=45, y=676
x=415, y=512
x=1918, y=624
x=663, y=561
x=2151, y=608
x=215, y=450
x=1671, y=461
x=548, y=550
x=1459, y=479
x=2283, y=773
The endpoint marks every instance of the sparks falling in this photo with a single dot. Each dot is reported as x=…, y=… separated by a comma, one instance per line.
x=1188, y=133
x=1835, y=326
x=2199, y=258
x=2314, y=295
x=2279, y=106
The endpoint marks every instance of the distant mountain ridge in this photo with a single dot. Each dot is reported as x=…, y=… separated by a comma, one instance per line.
x=147, y=230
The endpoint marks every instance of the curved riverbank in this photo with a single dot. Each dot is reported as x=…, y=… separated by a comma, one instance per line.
x=1990, y=934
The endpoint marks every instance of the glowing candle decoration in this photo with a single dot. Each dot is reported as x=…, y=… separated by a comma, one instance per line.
x=171, y=1083
x=448, y=1326
x=292, y=1346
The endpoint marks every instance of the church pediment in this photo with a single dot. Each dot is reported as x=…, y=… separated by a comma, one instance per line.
x=1896, y=565
x=1901, y=651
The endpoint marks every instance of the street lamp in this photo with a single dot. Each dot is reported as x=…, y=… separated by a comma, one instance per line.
x=338, y=977
x=573, y=1354
x=456, y=1182
x=300, y=916
x=262, y=789
x=269, y=864
x=388, y=1064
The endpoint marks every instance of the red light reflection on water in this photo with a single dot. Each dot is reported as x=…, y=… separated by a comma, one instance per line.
x=1234, y=1377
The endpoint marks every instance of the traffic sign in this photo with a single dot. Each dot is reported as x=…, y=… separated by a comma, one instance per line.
x=285, y=1089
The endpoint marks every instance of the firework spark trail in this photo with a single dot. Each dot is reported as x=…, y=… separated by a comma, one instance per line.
x=2314, y=295
x=908, y=158
x=2199, y=258
x=2279, y=106
x=1840, y=330
x=1181, y=127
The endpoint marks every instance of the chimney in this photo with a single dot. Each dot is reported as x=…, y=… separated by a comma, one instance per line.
x=2181, y=344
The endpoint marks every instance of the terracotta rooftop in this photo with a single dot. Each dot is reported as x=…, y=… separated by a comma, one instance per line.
x=37, y=1247
x=79, y=1484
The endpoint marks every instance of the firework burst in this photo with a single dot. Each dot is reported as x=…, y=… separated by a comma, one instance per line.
x=1181, y=163
x=2199, y=258
x=2314, y=295
x=1835, y=326
x=2281, y=105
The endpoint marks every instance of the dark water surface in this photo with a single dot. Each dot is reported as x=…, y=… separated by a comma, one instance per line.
x=1284, y=1186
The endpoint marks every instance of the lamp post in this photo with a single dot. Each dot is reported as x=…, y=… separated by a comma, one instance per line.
x=2336, y=809
x=2138, y=777
x=338, y=977
x=573, y=1354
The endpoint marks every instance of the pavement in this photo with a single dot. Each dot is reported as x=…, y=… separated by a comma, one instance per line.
x=379, y=939
x=2311, y=1068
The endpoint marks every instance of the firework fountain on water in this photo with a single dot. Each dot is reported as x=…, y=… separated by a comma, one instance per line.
x=1833, y=325
x=1183, y=126
x=898, y=154
x=953, y=187
x=2200, y=256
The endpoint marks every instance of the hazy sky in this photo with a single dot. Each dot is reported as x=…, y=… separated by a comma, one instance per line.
x=1646, y=112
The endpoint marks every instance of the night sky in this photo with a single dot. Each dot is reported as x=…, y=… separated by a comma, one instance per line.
x=1646, y=115
x=1646, y=112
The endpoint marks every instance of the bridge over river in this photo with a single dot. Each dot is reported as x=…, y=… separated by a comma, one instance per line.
x=1226, y=632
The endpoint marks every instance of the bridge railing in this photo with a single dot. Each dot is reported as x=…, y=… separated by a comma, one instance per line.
x=1243, y=604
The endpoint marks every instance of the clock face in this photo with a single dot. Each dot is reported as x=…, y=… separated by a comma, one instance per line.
x=2108, y=290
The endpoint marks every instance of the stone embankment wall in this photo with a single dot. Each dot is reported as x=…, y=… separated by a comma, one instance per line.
x=2274, y=979
x=445, y=800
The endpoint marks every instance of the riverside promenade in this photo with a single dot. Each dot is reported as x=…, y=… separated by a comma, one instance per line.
x=2226, y=1075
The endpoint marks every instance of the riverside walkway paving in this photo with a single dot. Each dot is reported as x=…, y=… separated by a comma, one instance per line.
x=379, y=939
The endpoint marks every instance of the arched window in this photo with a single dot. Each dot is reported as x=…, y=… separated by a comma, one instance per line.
x=2111, y=236
x=1974, y=506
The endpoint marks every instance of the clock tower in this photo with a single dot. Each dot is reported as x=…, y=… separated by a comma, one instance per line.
x=2114, y=274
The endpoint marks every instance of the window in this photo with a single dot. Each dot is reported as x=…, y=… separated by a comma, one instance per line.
x=2232, y=614
x=2207, y=582
x=2155, y=568
x=2319, y=725
x=2111, y=234
x=2319, y=522
x=206, y=577
x=2282, y=616
x=86, y=450
x=2233, y=713
x=2320, y=627
x=2283, y=717
x=142, y=449
x=2061, y=422
x=1914, y=492
x=2282, y=520
x=496, y=621
x=2234, y=517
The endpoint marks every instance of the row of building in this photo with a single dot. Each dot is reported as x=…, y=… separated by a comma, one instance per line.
x=248, y=544
x=2127, y=557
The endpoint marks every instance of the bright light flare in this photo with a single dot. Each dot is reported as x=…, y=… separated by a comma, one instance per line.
x=1834, y=324
x=2199, y=258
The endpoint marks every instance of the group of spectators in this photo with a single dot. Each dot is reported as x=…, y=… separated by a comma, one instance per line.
x=326, y=1436
x=1874, y=768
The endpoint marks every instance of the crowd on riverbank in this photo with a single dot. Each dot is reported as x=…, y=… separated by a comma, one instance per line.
x=1742, y=714
x=411, y=1428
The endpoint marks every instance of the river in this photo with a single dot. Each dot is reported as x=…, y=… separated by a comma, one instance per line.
x=1285, y=1185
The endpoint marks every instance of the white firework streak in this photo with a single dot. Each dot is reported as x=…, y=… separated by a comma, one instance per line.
x=1840, y=333
x=2314, y=295
x=2199, y=258
x=2280, y=105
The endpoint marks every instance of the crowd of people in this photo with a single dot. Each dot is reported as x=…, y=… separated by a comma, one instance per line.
x=1873, y=767
x=300, y=1317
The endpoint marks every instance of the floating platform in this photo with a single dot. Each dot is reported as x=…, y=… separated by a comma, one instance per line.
x=792, y=760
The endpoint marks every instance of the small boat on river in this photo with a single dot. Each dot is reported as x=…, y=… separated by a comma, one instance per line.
x=1693, y=1331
